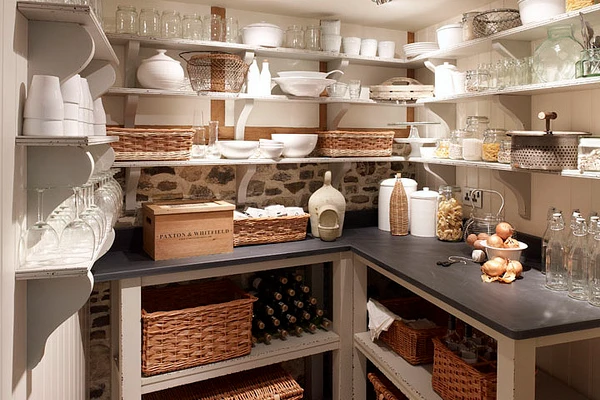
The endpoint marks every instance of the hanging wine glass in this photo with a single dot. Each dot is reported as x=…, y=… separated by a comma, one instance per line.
x=77, y=241
x=106, y=200
x=92, y=208
x=98, y=225
x=58, y=220
x=39, y=244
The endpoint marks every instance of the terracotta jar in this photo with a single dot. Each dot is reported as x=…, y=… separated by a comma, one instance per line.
x=326, y=207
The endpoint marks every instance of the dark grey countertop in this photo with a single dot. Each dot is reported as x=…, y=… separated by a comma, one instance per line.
x=521, y=310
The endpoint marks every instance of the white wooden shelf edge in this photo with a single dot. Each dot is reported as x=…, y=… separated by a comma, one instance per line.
x=64, y=140
x=261, y=355
x=80, y=14
x=66, y=271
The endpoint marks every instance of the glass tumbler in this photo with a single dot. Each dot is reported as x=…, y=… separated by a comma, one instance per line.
x=170, y=24
x=213, y=28
x=294, y=37
x=191, y=27
x=232, y=30
x=212, y=149
x=312, y=37
x=126, y=19
x=149, y=22
x=354, y=88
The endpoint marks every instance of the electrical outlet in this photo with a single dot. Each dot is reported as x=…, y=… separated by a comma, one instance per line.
x=475, y=197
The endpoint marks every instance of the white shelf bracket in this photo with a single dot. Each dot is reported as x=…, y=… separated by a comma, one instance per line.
x=446, y=112
x=243, y=175
x=340, y=64
x=514, y=49
x=132, y=51
x=248, y=57
x=240, y=124
x=332, y=124
x=446, y=174
x=101, y=75
x=131, y=105
x=132, y=178
x=518, y=108
x=50, y=302
x=520, y=184
x=338, y=171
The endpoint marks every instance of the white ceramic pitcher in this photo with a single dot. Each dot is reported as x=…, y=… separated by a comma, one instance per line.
x=445, y=76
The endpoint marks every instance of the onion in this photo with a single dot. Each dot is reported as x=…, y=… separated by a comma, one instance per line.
x=482, y=236
x=514, y=267
x=494, y=267
x=511, y=243
x=479, y=244
x=504, y=230
x=495, y=241
x=471, y=239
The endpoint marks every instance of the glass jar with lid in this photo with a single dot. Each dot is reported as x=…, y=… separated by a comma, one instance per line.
x=449, y=221
x=126, y=19
x=455, y=150
x=192, y=27
x=473, y=139
x=492, y=138
x=442, y=148
x=294, y=37
x=504, y=151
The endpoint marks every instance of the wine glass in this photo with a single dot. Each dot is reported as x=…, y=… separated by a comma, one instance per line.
x=107, y=201
x=39, y=244
x=77, y=241
x=97, y=223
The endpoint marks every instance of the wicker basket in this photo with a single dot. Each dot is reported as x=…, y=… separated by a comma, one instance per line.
x=189, y=325
x=266, y=383
x=497, y=20
x=454, y=379
x=355, y=144
x=269, y=229
x=141, y=144
x=384, y=388
x=414, y=345
x=215, y=71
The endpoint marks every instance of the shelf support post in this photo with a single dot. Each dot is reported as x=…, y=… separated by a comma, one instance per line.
x=340, y=64
x=520, y=184
x=248, y=56
x=332, y=124
x=131, y=105
x=243, y=175
x=132, y=178
x=517, y=108
x=446, y=112
x=240, y=124
x=338, y=170
x=514, y=49
x=444, y=173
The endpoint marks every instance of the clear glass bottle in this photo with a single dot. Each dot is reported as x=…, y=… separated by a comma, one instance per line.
x=455, y=148
x=594, y=270
x=149, y=22
x=449, y=226
x=212, y=149
x=592, y=230
x=569, y=237
x=546, y=236
x=577, y=278
x=473, y=140
x=468, y=347
x=556, y=272
x=491, y=144
x=555, y=58
x=126, y=19
x=452, y=339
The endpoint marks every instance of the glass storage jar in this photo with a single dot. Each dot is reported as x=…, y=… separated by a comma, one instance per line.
x=149, y=22
x=589, y=154
x=473, y=139
x=504, y=151
x=442, y=148
x=294, y=37
x=491, y=143
x=555, y=59
x=170, y=24
x=449, y=221
x=126, y=19
x=455, y=150
x=192, y=27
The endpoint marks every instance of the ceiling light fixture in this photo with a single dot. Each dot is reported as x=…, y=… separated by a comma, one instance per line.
x=380, y=2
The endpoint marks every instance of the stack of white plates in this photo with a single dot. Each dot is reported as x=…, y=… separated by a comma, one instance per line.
x=415, y=49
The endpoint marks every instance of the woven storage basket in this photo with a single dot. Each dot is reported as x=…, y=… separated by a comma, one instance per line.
x=454, y=379
x=355, y=144
x=269, y=229
x=572, y=5
x=189, y=325
x=398, y=209
x=141, y=144
x=414, y=345
x=266, y=383
x=215, y=71
x=384, y=389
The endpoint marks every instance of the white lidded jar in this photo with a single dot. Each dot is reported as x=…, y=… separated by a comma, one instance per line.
x=423, y=210
x=385, y=194
x=160, y=72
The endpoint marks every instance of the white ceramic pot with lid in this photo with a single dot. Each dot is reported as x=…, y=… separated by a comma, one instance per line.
x=385, y=194
x=423, y=210
x=160, y=72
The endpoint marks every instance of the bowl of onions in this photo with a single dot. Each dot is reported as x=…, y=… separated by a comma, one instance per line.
x=503, y=244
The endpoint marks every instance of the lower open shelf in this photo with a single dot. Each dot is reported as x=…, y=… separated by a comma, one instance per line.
x=415, y=381
x=261, y=355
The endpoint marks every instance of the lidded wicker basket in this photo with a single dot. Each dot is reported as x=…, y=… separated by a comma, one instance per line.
x=214, y=71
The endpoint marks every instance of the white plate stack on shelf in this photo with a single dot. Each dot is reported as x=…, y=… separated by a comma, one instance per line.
x=44, y=111
x=418, y=48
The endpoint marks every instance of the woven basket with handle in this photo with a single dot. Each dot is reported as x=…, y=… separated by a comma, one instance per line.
x=384, y=389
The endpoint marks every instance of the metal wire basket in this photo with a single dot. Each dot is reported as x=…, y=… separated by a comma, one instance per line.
x=215, y=71
x=497, y=20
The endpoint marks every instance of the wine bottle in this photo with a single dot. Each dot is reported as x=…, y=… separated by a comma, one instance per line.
x=296, y=277
x=308, y=326
x=321, y=322
x=314, y=310
x=302, y=314
x=272, y=321
x=452, y=339
x=263, y=308
x=294, y=302
x=310, y=300
x=295, y=330
x=258, y=324
x=280, y=333
x=279, y=306
x=264, y=337
x=300, y=287
x=288, y=318
x=265, y=289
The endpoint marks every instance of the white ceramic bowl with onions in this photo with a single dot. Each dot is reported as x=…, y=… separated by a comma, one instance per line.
x=296, y=145
x=237, y=149
x=510, y=253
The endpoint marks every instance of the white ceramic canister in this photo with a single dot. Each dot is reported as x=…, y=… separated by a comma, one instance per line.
x=423, y=209
x=161, y=72
x=385, y=194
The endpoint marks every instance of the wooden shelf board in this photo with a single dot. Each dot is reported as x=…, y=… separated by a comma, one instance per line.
x=64, y=140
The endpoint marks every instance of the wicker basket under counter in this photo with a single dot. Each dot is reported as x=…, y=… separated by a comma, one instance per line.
x=151, y=144
x=355, y=144
x=269, y=229
x=384, y=388
x=194, y=324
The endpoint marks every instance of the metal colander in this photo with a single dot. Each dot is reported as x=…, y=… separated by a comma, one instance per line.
x=497, y=20
x=552, y=151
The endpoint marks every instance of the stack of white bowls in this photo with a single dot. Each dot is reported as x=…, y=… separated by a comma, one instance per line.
x=270, y=148
x=72, y=98
x=86, y=110
x=44, y=111
x=99, y=118
x=331, y=40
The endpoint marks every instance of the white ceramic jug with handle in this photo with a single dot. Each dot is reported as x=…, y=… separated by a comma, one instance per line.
x=444, y=78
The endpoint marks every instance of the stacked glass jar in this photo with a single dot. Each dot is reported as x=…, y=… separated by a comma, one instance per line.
x=472, y=141
x=492, y=140
x=449, y=221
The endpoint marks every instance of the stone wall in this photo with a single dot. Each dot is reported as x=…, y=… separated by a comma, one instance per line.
x=287, y=184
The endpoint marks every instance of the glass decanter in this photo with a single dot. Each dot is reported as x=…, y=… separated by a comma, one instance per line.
x=555, y=59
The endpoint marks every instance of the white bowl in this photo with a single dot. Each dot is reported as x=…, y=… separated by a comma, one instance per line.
x=351, y=45
x=71, y=89
x=296, y=144
x=262, y=34
x=331, y=43
x=306, y=87
x=44, y=99
x=71, y=128
x=307, y=74
x=427, y=151
x=511, y=254
x=160, y=72
x=71, y=111
x=539, y=10
x=337, y=90
x=237, y=149
x=271, y=151
x=386, y=49
x=449, y=35
x=331, y=26
x=368, y=47
x=42, y=127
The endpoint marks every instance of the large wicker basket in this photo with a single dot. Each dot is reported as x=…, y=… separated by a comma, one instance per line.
x=151, y=144
x=215, y=71
x=414, y=345
x=355, y=144
x=454, y=379
x=266, y=383
x=189, y=325
x=384, y=388
x=269, y=229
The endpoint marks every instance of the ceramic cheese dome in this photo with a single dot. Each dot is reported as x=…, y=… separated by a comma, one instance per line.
x=160, y=72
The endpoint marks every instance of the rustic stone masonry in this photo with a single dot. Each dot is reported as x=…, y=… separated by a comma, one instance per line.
x=287, y=184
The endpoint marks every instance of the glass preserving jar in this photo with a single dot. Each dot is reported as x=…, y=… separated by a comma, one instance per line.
x=555, y=59
x=170, y=24
x=449, y=221
x=455, y=150
x=473, y=139
x=312, y=37
x=149, y=22
x=504, y=152
x=191, y=27
x=126, y=19
x=491, y=143
x=294, y=37
x=442, y=148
